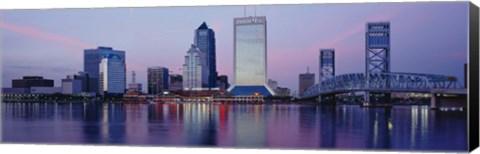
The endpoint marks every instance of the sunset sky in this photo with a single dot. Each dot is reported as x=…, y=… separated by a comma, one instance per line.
x=426, y=37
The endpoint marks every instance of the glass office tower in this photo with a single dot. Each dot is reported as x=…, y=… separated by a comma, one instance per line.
x=205, y=41
x=112, y=71
x=195, y=70
x=93, y=57
x=158, y=78
x=250, y=57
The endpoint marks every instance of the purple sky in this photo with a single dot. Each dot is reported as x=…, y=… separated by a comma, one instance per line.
x=426, y=37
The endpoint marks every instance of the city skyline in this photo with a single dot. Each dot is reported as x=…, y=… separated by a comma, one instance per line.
x=419, y=32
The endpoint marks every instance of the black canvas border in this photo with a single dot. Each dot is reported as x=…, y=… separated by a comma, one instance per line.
x=473, y=67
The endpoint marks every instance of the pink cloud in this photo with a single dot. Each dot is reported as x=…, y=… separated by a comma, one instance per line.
x=44, y=35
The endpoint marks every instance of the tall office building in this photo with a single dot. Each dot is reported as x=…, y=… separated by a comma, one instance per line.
x=157, y=80
x=250, y=57
x=112, y=74
x=327, y=64
x=305, y=81
x=205, y=41
x=195, y=70
x=93, y=57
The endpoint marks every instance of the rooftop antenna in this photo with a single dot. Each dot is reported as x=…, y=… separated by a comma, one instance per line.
x=255, y=11
x=133, y=76
x=308, y=70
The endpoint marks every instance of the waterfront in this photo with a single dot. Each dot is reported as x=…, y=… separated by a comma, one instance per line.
x=228, y=125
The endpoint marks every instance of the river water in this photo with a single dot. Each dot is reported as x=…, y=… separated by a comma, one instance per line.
x=282, y=126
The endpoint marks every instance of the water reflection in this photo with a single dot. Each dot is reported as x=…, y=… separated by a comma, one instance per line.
x=225, y=125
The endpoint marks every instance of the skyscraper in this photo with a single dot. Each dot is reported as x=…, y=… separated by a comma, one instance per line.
x=93, y=57
x=205, y=41
x=112, y=74
x=195, y=70
x=157, y=79
x=305, y=81
x=250, y=57
x=327, y=64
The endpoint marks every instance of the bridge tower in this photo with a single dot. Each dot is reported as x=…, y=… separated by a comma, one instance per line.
x=377, y=53
x=327, y=64
x=326, y=68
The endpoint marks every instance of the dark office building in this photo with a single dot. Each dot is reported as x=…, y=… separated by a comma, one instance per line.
x=93, y=57
x=305, y=81
x=222, y=82
x=157, y=79
x=205, y=41
x=31, y=81
x=89, y=83
x=176, y=82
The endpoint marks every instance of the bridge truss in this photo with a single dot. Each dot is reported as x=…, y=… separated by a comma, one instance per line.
x=382, y=82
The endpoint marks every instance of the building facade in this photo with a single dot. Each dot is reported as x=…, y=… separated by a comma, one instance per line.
x=32, y=81
x=93, y=57
x=272, y=84
x=89, y=84
x=157, y=81
x=250, y=57
x=71, y=86
x=112, y=74
x=222, y=82
x=195, y=70
x=327, y=64
x=205, y=41
x=45, y=90
x=176, y=82
x=282, y=92
x=305, y=81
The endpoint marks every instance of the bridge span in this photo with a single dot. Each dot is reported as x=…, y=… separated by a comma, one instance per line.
x=386, y=83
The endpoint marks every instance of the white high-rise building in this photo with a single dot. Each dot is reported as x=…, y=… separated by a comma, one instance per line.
x=195, y=70
x=112, y=74
x=250, y=57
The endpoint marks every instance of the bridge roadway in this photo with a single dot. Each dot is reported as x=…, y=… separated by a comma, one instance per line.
x=385, y=83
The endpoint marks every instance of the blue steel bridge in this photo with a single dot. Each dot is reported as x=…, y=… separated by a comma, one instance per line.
x=382, y=82
x=378, y=82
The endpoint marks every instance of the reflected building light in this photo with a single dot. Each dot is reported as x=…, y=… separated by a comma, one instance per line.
x=413, y=127
x=390, y=125
x=375, y=131
x=84, y=110
x=105, y=121
x=424, y=121
x=165, y=111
